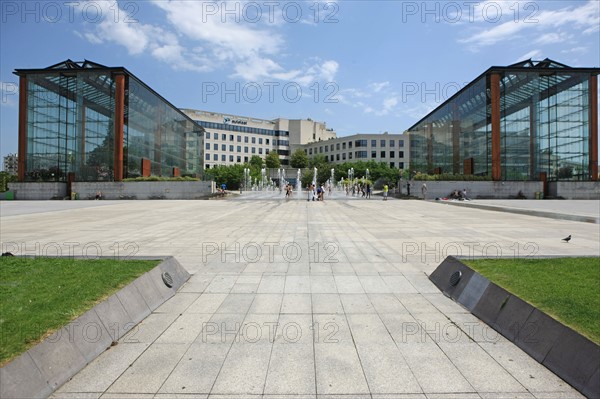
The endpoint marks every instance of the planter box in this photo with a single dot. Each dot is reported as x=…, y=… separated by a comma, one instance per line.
x=45, y=367
x=565, y=352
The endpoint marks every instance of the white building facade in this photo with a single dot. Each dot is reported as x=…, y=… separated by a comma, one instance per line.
x=393, y=149
x=231, y=139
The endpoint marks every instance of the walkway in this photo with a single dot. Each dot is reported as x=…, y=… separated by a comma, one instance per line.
x=304, y=299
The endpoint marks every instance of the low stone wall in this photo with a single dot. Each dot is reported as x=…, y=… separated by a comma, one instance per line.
x=568, y=354
x=144, y=190
x=476, y=189
x=38, y=190
x=589, y=190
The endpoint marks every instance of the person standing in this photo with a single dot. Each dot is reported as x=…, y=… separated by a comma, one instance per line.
x=424, y=191
x=385, y=192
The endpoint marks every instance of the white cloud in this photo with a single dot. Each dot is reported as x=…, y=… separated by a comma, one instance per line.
x=553, y=37
x=328, y=70
x=520, y=17
x=388, y=106
x=378, y=86
x=240, y=40
x=494, y=35
x=219, y=41
x=575, y=50
x=533, y=54
x=256, y=68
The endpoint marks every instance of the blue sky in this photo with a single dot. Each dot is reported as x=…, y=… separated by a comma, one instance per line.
x=359, y=66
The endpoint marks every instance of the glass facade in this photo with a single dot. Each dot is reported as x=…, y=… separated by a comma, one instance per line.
x=69, y=127
x=545, y=125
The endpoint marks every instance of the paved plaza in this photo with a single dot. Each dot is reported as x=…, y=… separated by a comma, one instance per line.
x=296, y=299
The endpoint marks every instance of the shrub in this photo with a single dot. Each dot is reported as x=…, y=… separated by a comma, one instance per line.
x=159, y=178
x=450, y=177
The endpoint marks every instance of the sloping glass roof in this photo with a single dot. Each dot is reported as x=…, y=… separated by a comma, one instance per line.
x=518, y=81
x=68, y=64
x=545, y=63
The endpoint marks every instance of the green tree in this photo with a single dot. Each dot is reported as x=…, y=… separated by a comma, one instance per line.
x=6, y=178
x=256, y=162
x=318, y=161
x=272, y=160
x=231, y=175
x=299, y=159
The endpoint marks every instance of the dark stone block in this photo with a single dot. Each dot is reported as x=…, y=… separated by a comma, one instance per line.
x=134, y=303
x=21, y=379
x=512, y=319
x=177, y=272
x=58, y=358
x=114, y=317
x=441, y=277
x=473, y=291
x=147, y=287
x=491, y=303
x=540, y=334
x=574, y=358
x=156, y=277
x=592, y=388
x=89, y=335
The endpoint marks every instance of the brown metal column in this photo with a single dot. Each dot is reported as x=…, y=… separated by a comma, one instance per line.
x=22, y=153
x=496, y=153
x=119, y=126
x=456, y=165
x=81, y=156
x=593, y=89
x=429, y=133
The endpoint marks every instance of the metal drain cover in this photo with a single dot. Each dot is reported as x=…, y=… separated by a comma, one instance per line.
x=167, y=279
x=455, y=278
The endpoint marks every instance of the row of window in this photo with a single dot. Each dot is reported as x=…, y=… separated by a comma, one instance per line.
x=276, y=142
x=238, y=148
x=215, y=157
x=242, y=129
x=247, y=150
x=360, y=154
x=356, y=143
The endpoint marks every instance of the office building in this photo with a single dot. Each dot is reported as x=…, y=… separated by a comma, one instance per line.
x=231, y=139
x=533, y=120
x=82, y=121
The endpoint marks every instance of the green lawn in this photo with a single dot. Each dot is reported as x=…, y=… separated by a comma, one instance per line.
x=567, y=289
x=40, y=295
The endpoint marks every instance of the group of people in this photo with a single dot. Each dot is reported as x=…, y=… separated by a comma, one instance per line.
x=362, y=190
x=289, y=189
x=459, y=195
x=315, y=192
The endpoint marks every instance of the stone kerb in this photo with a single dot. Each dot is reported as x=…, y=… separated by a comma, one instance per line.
x=45, y=367
x=568, y=354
